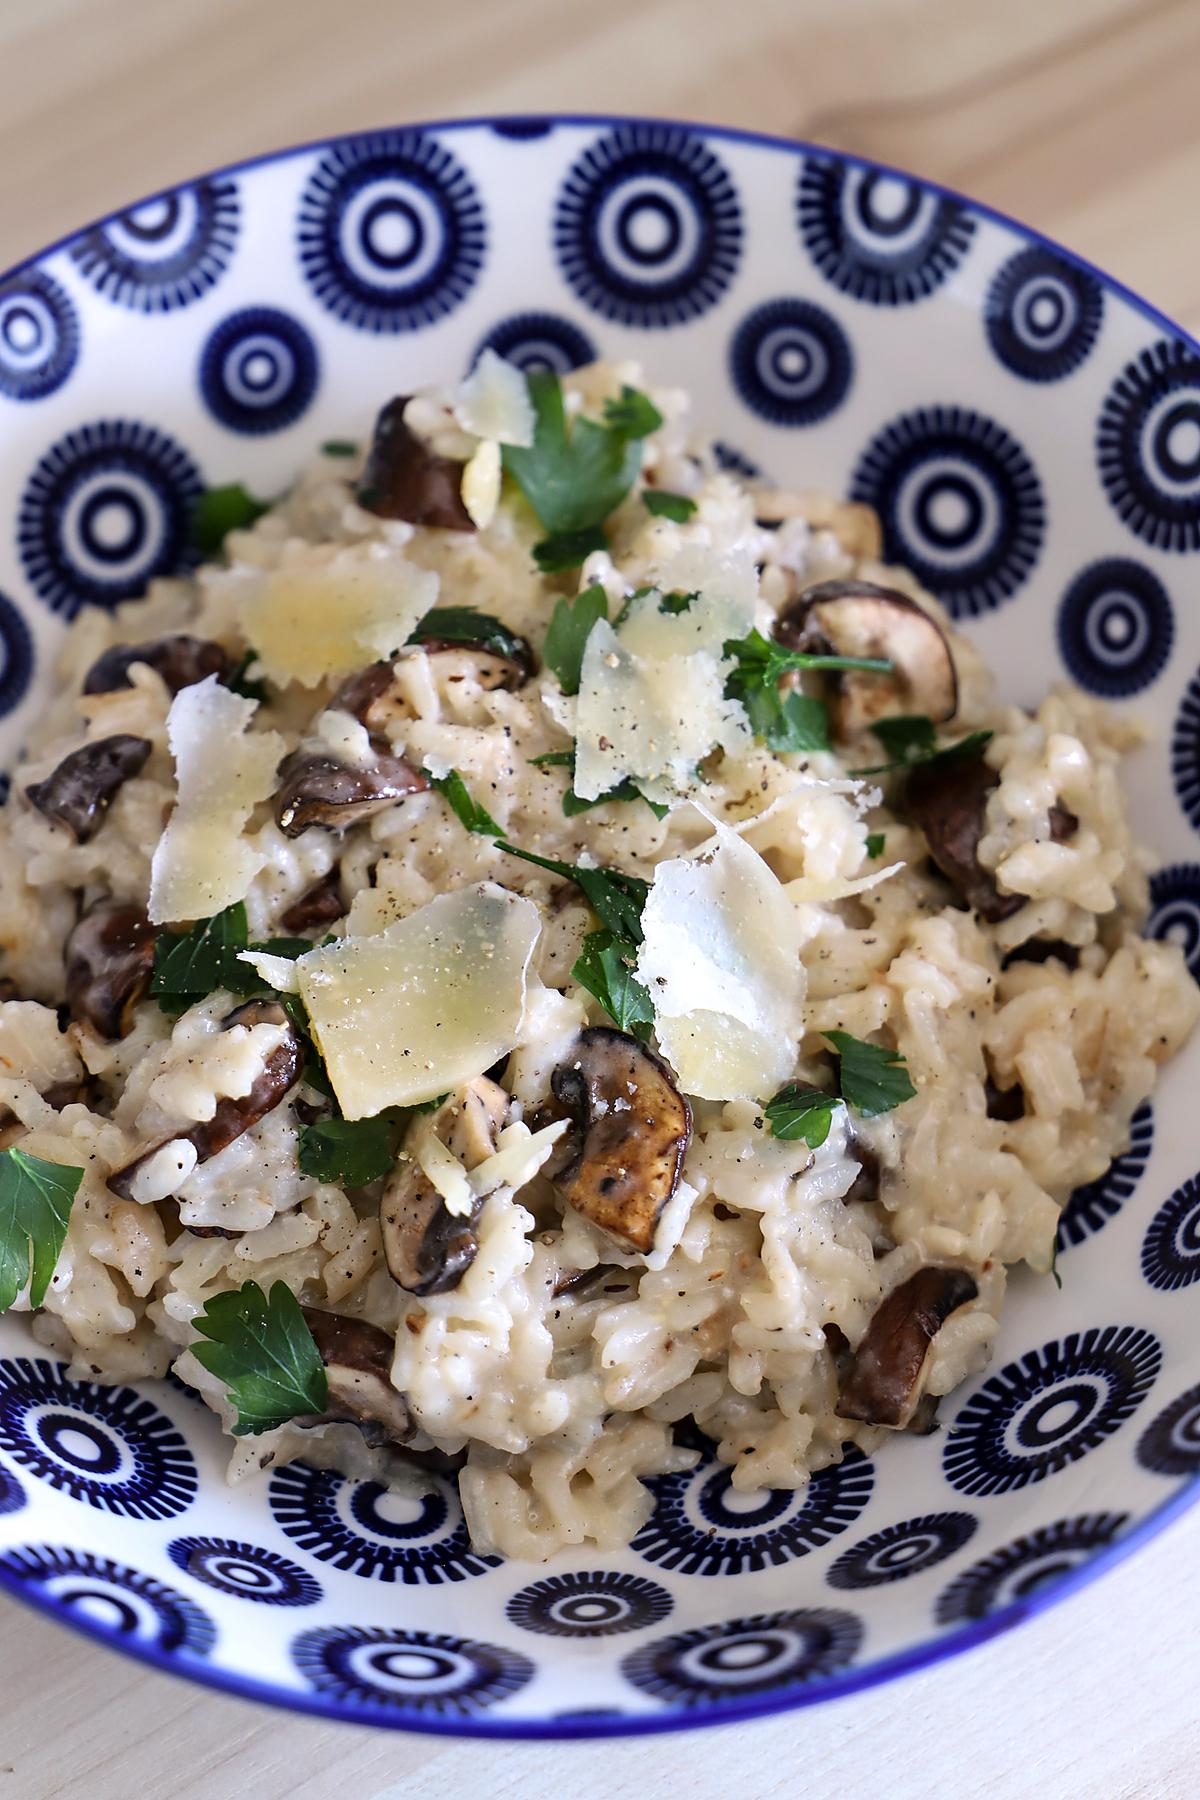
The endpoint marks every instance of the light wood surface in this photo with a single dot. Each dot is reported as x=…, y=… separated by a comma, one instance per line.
x=1081, y=117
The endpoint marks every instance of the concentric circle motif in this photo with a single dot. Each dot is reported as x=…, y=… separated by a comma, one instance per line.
x=1171, y=1247
x=1042, y=314
x=16, y=657
x=107, y=1446
x=791, y=362
x=538, y=340
x=166, y=252
x=702, y=1525
x=420, y=1671
x=258, y=370
x=735, y=461
x=1170, y=1444
x=961, y=504
x=245, y=1570
x=391, y=231
x=1175, y=910
x=1026, y=1566
x=39, y=336
x=111, y=1598
x=1148, y=446
x=1040, y=1414
x=597, y=1603
x=106, y=509
x=12, y=1494
x=1115, y=628
x=648, y=226
x=1185, y=753
x=1091, y=1207
x=374, y=1531
x=902, y=1550
x=745, y=1656
x=876, y=235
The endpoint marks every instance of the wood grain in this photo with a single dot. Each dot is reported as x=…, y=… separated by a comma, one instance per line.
x=1079, y=116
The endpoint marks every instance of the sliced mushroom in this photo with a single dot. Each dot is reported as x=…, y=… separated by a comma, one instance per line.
x=405, y=479
x=179, y=659
x=865, y=1185
x=429, y=1249
x=620, y=1162
x=358, y=1368
x=463, y=662
x=1040, y=950
x=316, y=789
x=79, y=792
x=280, y=1072
x=1003, y=1104
x=213, y=1231
x=468, y=643
x=318, y=905
x=1063, y=823
x=859, y=618
x=109, y=959
x=947, y=799
x=883, y=1381
x=68, y=1093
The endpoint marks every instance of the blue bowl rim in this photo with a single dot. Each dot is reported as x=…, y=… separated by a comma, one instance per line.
x=866, y=1675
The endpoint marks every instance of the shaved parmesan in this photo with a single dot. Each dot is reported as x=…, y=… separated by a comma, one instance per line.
x=721, y=961
x=518, y=1156
x=279, y=972
x=726, y=593
x=481, y=484
x=307, y=624
x=404, y=1015
x=442, y=1167
x=202, y=863
x=494, y=402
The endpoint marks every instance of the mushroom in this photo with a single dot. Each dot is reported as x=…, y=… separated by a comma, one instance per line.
x=467, y=643
x=179, y=659
x=316, y=789
x=859, y=618
x=280, y=1072
x=405, y=479
x=109, y=959
x=947, y=798
x=368, y=696
x=620, y=1162
x=318, y=905
x=429, y=1249
x=1003, y=1104
x=460, y=662
x=358, y=1367
x=883, y=1381
x=79, y=792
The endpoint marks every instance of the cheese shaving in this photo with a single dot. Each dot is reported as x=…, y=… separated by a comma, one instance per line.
x=442, y=1167
x=279, y=972
x=309, y=624
x=493, y=402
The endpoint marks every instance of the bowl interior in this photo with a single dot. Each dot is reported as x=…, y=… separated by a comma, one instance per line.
x=1031, y=437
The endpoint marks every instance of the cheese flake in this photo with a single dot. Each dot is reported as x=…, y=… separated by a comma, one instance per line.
x=307, y=624
x=721, y=961
x=202, y=863
x=493, y=402
x=424, y=1005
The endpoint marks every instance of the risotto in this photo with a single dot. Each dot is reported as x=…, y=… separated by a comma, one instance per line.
x=540, y=949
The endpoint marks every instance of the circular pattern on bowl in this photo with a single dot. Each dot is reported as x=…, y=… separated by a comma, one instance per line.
x=1031, y=437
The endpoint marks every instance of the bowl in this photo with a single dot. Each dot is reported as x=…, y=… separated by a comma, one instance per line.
x=1030, y=435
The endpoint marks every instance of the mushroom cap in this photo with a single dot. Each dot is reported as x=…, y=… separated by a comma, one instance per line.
x=180, y=660
x=947, y=798
x=861, y=618
x=79, y=792
x=109, y=959
x=882, y=1381
x=427, y=1248
x=316, y=789
x=358, y=1367
x=404, y=479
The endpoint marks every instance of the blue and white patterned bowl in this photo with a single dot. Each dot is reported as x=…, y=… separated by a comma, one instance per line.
x=1031, y=436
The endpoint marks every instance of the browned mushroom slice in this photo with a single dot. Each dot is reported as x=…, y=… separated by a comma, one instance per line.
x=630, y=1129
x=179, y=659
x=79, y=792
x=865, y=1185
x=368, y=696
x=404, y=479
x=859, y=618
x=318, y=905
x=947, y=799
x=429, y=1249
x=1063, y=823
x=109, y=959
x=884, y=1379
x=1003, y=1104
x=280, y=1072
x=68, y=1093
x=358, y=1368
x=316, y=789
x=213, y=1231
x=463, y=662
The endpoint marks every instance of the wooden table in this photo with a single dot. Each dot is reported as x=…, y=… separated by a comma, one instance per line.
x=1080, y=116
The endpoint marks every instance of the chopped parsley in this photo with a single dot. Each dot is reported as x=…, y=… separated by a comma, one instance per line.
x=784, y=720
x=454, y=789
x=463, y=625
x=910, y=740
x=555, y=759
x=352, y=1152
x=676, y=602
x=339, y=447
x=239, y=682
x=797, y=1112
x=567, y=549
x=872, y=1078
x=573, y=804
x=634, y=414
x=875, y=842
x=35, y=1210
x=570, y=625
x=668, y=506
x=264, y=1352
x=220, y=510
x=189, y=965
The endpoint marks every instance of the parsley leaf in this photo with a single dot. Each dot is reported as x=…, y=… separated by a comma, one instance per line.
x=783, y=720
x=339, y=447
x=797, y=1112
x=555, y=555
x=352, y=1152
x=676, y=602
x=875, y=842
x=264, y=1352
x=463, y=625
x=616, y=899
x=188, y=966
x=571, y=801
x=574, y=479
x=605, y=968
x=555, y=759
x=35, y=1210
x=872, y=1078
x=454, y=789
x=668, y=506
x=634, y=414
x=910, y=740
x=220, y=510
x=570, y=625
x=238, y=683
